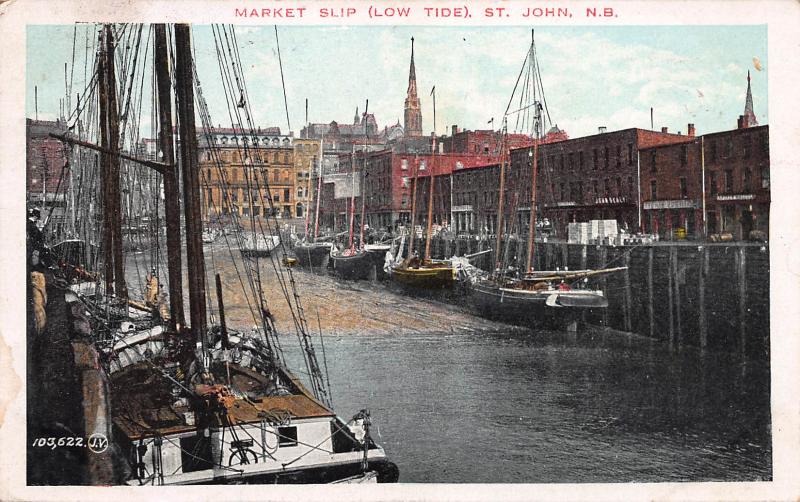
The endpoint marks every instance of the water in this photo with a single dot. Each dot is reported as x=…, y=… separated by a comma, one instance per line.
x=457, y=399
x=553, y=407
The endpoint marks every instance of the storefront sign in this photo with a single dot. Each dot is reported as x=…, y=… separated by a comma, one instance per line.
x=670, y=204
x=744, y=196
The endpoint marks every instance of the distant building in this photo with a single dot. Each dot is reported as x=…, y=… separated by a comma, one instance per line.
x=247, y=174
x=413, y=110
x=48, y=174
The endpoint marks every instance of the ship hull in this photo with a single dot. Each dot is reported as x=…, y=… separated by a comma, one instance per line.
x=357, y=267
x=425, y=277
x=314, y=256
x=549, y=308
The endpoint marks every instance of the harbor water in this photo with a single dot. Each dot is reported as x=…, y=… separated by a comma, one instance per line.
x=458, y=399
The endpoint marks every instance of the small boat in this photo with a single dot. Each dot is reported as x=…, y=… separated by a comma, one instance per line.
x=427, y=274
x=353, y=264
x=313, y=255
x=259, y=244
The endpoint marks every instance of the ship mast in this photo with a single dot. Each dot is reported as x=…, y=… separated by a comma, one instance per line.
x=363, y=178
x=352, y=193
x=501, y=198
x=109, y=140
x=534, y=169
x=319, y=184
x=172, y=208
x=184, y=78
x=430, y=177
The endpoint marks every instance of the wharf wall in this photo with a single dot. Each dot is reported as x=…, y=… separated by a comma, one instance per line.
x=713, y=296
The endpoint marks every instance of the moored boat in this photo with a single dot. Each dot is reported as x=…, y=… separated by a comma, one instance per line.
x=255, y=244
x=312, y=255
x=353, y=264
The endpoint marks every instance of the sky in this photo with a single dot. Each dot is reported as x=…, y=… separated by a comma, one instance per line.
x=592, y=76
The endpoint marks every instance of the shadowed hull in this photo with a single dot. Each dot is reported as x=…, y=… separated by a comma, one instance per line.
x=357, y=267
x=315, y=256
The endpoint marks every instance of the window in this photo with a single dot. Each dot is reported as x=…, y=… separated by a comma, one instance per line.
x=561, y=163
x=765, y=144
x=747, y=179
x=571, y=159
x=619, y=187
x=652, y=161
x=562, y=191
x=619, y=155
x=713, y=151
x=286, y=195
x=605, y=158
x=765, y=177
x=422, y=165
x=728, y=180
x=746, y=146
x=594, y=157
x=594, y=188
x=712, y=182
x=653, y=190
x=684, y=155
x=605, y=187
x=630, y=154
x=580, y=160
x=684, y=193
x=630, y=186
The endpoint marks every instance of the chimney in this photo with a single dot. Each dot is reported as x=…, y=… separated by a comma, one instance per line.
x=665, y=130
x=602, y=129
x=740, y=122
x=690, y=130
x=455, y=130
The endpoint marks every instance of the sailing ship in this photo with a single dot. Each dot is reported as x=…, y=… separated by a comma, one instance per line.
x=354, y=262
x=555, y=298
x=425, y=272
x=200, y=402
x=313, y=253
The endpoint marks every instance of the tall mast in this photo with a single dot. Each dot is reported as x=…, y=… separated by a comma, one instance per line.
x=191, y=184
x=534, y=169
x=430, y=176
x=413, y=208
x=501, y=197
x=363, y=178
x=172, y=208
x=109, y=130
x=319, y=185
x=352, y=192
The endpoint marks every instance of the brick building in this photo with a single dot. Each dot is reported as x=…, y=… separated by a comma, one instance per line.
x=489, y=142
x=592, y=177
x=245, y=170
x=735, y=165
x=47, y=173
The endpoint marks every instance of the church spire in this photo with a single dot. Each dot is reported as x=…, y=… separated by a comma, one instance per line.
x=413, y=114
x=356, y=118
x=749, y=116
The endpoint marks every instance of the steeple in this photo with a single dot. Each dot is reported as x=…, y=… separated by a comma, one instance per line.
x=356, y=119
x=749, y=116
x=413, y=114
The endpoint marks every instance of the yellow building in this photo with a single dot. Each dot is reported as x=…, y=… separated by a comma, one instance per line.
x=306, y=153
x=248, y=174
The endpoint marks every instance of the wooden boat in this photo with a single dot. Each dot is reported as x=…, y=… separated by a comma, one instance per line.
x=313, y=255
x=424, y=273
x=353, y=264
x=377, y=253
x=193, y=403
x=430, y=274
x=535, y=298
x=258, y=244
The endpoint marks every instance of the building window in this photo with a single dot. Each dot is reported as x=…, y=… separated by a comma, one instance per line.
x=594, y=188
x=653, y=190
x=619, y=187
x=765, y=177
x=630, y=186
x=713, y=151
x=619, y=155
x=286, y=195
x=422, y=165
x=571, y=161
x=747, y=178
x=684, y=155
x=765, y=144
x=653, y=162
x=594, y=156
x=746, y=146
x=712, y=182
x=683, y=188
x=728, y=180
x=605, y=187
x=630, y=154
x=580, y=160
x=605, y=158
